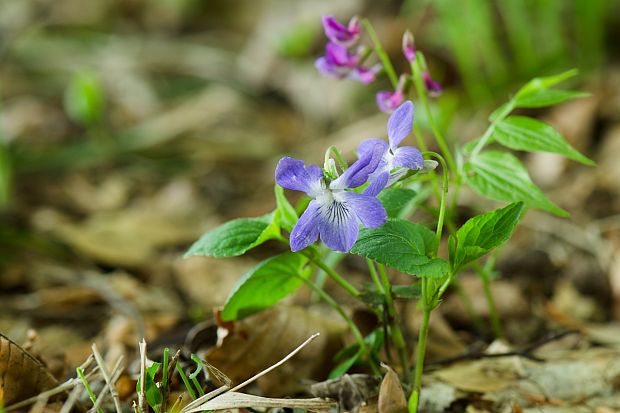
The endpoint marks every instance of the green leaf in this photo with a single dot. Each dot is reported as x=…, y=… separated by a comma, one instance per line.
x=402, y=245
x=288, y=215
x=265, y=285
x=153, y=395
x=527, y=134
x=236, y=237
x=542, y=98
x=84, y=98
x=536, y=92
x=344, y=366
x=501, y=176
x=395, y=199
x=545, y=82
x=482, y=233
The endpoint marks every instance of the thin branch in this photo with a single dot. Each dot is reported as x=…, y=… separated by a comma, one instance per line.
x=108, y=378
x=142, y=394
x=525, y=352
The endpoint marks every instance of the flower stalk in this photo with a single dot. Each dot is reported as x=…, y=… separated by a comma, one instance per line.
x=418, y=81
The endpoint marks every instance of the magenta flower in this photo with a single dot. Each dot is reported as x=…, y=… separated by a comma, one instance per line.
x=395, y=160
x=408, y=46
x=335, y=212
x=433, y=87
x=340, y=34
x=388, y=101
x=339, y=62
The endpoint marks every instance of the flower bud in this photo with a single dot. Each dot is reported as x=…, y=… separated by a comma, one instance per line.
x=408, y=46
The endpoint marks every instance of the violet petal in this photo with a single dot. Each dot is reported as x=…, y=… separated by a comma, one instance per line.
x=368, y=209
x=338, y=226
x=400, y=124
x=293, y=174
x=306, y=231
x=408, y=157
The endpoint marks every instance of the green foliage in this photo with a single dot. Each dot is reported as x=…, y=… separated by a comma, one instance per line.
x=84, y=99
x=6, y=175
x=482, y=233
x=394, y=200
x=236, y=237
x=527, y=134
x=152, y=392
x=265, y=285
x=501, y=176
x=402, y=245
x=286, y=211
x=536, y=92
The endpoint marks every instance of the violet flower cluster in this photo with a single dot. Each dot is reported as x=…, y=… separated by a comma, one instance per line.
x=343, y=57
x=336, y=209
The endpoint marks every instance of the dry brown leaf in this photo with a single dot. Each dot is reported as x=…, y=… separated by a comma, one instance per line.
x=131, y=237
x=21, y=375
x=391, y=395
x=482, y=376
x=255, y=343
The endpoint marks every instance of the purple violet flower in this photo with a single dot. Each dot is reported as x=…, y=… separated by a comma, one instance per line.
x=388, y=101
x=340, y=34
x=334, y=212
x=339, y=62
x=395, y=161
x=433, y=87
x=408, y=46
x=363, y=74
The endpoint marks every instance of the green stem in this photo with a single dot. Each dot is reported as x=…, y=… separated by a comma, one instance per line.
x=339, y=279
x=164, y=379
x=414, y=399
x=333, y=151
x=444, y=196
x=418, y=81
x=505, y=110
x=356, y=332
x=385, y=60
x=89, y=390
x=186, y=382
x=375, y=276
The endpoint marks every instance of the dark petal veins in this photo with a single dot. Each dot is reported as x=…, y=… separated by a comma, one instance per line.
x=338, y=226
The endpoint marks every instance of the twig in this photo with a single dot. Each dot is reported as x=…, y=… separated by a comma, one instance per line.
x=68, y=405
x=194, y=406
x=525, y=352
x=278, y=364
x=142, y=394
x=108, y=378
x=116, y=372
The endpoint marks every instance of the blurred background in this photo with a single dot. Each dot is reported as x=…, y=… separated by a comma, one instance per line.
x=129, y=127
